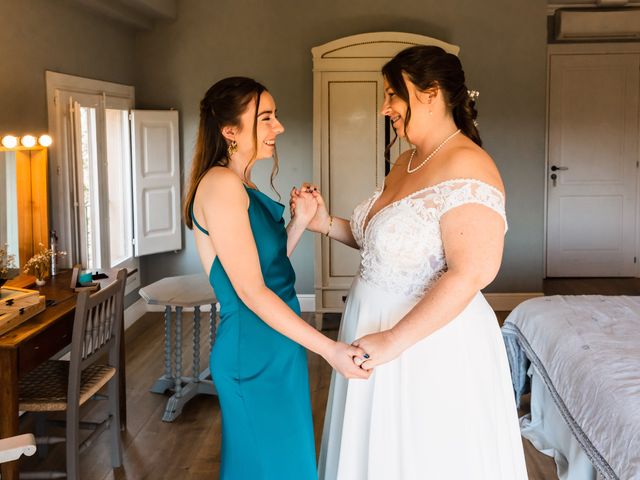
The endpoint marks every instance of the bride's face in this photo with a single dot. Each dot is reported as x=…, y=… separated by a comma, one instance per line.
x=395, y=108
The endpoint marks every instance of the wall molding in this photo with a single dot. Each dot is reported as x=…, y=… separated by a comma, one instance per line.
x=307, y=302
x=500, y=302
x=134, y=312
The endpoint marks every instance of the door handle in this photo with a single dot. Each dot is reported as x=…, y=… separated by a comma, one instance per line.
x=555, y=169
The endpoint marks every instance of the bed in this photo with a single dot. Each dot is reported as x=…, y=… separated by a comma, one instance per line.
x=579, y=356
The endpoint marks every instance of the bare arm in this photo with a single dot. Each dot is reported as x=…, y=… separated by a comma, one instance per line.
x=335, y=228
x=307, y=207
x=224, y=205
x=473, y=238
x=294, y=233
x=340, y=230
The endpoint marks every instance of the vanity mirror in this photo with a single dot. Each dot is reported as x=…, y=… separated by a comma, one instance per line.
x=24, y=220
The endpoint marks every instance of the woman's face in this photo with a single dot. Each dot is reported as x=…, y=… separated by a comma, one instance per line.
x=395, y=108
x=267, y=129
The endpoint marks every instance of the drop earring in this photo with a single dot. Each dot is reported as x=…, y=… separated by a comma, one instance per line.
x=232, y=148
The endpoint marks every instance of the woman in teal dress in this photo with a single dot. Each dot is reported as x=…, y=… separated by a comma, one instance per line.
x=258, y=361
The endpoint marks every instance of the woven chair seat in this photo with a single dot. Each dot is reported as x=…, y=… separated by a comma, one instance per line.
x=45, y=388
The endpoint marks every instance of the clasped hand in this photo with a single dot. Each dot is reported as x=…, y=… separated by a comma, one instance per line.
x=342, y=358
x=380, y=348
x=307, y=207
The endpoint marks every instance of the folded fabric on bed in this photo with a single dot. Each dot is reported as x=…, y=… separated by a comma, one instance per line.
x=587, y=351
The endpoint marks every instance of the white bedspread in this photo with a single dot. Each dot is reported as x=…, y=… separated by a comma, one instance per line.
x=587, y=350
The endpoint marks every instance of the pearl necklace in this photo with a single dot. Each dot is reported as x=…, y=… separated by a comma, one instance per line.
x=410, y=170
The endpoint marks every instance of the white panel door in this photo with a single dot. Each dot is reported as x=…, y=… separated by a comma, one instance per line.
x=156, y=181
x=352, y=142
x=592, y=172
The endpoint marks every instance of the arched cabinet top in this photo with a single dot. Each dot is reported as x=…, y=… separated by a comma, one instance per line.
x=370, y=48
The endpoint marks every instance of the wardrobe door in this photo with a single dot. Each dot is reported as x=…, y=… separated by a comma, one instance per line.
x=353, y=165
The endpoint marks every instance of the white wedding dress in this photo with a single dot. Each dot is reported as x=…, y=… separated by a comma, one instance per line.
x=444, y=409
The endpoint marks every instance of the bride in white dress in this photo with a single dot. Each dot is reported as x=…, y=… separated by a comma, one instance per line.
x=439, y=404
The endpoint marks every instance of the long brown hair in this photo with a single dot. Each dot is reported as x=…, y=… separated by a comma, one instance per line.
x=429, y=66
x=222, y=106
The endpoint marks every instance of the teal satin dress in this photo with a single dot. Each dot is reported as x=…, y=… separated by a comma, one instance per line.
x=261, y=375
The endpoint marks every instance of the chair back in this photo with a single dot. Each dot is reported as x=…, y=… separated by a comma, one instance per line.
x=97, y=328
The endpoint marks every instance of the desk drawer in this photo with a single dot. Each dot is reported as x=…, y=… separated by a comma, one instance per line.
x=44, y=345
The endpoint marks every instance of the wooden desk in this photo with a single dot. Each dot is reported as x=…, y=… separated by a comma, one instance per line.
x=25, y=347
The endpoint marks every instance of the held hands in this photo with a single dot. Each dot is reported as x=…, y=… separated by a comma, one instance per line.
x=298, y=204
x=341, y=358
x=303, y=206
x=381, y=347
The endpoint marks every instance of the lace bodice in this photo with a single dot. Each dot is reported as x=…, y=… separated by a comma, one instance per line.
x=401, y=248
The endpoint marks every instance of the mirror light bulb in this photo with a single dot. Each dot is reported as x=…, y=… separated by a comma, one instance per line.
x=28, y=141
x=44, y=140
x=9, y=141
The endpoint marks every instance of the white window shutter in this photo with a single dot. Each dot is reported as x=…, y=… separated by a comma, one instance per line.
x=156, y=181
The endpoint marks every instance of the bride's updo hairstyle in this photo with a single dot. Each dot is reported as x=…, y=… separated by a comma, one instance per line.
x=427, y=67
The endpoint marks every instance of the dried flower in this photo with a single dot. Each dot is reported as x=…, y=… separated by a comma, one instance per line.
x=39, y=264
x=6, y=261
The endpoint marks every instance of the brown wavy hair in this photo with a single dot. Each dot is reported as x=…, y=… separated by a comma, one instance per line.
x=427, y=67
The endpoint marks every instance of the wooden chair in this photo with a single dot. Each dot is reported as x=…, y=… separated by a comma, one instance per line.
x=59, y=385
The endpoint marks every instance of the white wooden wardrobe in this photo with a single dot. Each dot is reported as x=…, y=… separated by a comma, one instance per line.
x=349, y=137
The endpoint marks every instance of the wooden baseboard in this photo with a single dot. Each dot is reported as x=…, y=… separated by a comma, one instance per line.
x=500, y=302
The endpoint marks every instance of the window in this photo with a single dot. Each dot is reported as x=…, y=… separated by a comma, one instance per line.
x=91, y=172
x=110, y=167
x=119, y=186
x=87, y=189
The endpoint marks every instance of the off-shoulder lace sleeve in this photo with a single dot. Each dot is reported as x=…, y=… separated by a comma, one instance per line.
x=455, y=193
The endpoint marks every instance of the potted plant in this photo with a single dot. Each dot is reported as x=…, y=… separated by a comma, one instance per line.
x=39, y=265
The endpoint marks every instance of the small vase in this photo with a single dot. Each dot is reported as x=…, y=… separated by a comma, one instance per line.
x=40, y=281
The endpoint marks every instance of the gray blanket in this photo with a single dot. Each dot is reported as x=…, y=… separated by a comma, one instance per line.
x=587, y=350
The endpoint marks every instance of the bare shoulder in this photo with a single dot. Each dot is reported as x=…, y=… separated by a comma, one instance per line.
x=220, y=181
x=468, y=160
x=220, y=184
